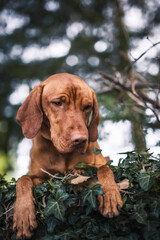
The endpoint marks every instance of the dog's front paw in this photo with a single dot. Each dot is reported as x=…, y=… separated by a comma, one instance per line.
x=110, y=202
x=24, y=218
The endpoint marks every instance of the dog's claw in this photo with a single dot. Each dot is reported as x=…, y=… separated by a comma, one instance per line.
x=119, y=207
x=23, y=237
x=110, y=215
x=31, y=228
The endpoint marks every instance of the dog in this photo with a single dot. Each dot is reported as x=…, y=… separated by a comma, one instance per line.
x=56, y=116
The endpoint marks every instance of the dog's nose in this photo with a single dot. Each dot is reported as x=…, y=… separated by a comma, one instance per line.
x=79, y=139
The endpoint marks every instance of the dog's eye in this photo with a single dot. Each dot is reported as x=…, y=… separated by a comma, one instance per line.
x=58, y=103
x=87, y=107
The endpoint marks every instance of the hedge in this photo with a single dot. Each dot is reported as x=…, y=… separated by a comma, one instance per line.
x=68, y=211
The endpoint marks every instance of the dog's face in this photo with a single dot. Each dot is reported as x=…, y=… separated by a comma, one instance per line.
x=64, y=103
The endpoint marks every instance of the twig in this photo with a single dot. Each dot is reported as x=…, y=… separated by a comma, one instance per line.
x=153, y=45
x=107, y=90
x=43, y=201
x=6, y=211
x=126, y=192
x=53, y=176
x=147, y=99
x=136, y=94
x=69, y=176
x=145, y=165
x=152, y=171
x=146, y=85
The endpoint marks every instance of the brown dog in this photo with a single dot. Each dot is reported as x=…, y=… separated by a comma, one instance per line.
x=56, y=116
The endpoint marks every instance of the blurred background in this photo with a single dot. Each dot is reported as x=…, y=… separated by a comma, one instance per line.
x=87, y=38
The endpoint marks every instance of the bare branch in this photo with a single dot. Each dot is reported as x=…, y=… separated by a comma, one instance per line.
x=147, y=85
x=107, y=90
x=53, y=176
x=153, y=45
x=149, y=100
x=137, y=96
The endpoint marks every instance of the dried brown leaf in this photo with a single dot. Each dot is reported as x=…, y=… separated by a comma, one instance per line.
x=79, y=179
x=124, y=184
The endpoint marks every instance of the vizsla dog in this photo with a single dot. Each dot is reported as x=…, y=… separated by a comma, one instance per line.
x=56, y=116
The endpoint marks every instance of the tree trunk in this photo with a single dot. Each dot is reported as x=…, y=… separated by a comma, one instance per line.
x=138, y=135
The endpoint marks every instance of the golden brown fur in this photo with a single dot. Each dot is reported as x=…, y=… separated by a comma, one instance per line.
x=56, y=116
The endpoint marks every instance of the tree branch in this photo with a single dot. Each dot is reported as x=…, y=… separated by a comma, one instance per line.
x=138, y=96
x=153, y=45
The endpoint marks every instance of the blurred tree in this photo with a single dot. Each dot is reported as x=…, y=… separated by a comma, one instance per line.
x=40, y=38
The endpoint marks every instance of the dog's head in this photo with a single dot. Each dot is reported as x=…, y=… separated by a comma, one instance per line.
x=60, y=107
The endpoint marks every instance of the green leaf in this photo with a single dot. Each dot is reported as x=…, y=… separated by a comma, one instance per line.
x=155, y=209
x=104, y=227
x=139, y=218
x=81, y=165
x=47, y=238
x=97, y=189
x=90, y=195
x=39, y=190
x=151, y=230
x=51, y=223
x=145, y=181
x=109, y=162
x=130, y=152
x=92, y=230
x=56, y=208
x=96, y=151
x=60, y=196
x=66, y=235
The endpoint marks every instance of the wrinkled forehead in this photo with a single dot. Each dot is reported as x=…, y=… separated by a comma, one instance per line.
x=74, y=88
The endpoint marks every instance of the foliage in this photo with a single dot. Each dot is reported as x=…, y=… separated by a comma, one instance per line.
x=66, y=211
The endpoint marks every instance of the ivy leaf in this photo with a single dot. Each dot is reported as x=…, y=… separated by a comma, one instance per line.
x=145, y=181
x=97, y=189
x=104, y=227
x=10, y=194
x=56, y=208
x=39, y=190
x=109, y=162
x=66, y=235
x=96, y=151
x=90, y=171
x=47, y=238
x=92, y=230
x=151, y=231
x=81, y=165
x=73, y=218
x=58, y=186
x=59, y=196
x=90, y=195
x=139, y=218
x=51, y=224
x=155, y=209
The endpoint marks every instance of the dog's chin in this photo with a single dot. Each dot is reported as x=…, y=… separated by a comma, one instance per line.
x=81, y=149
x=70, y=149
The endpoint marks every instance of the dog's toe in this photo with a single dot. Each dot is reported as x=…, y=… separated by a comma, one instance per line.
x=24, y=219
x=111, y=202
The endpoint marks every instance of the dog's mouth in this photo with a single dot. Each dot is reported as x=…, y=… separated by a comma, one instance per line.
x=80, y=148
x=70, y=147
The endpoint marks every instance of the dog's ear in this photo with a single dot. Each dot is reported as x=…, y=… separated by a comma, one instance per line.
x=30, y=115
x=93, y=127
